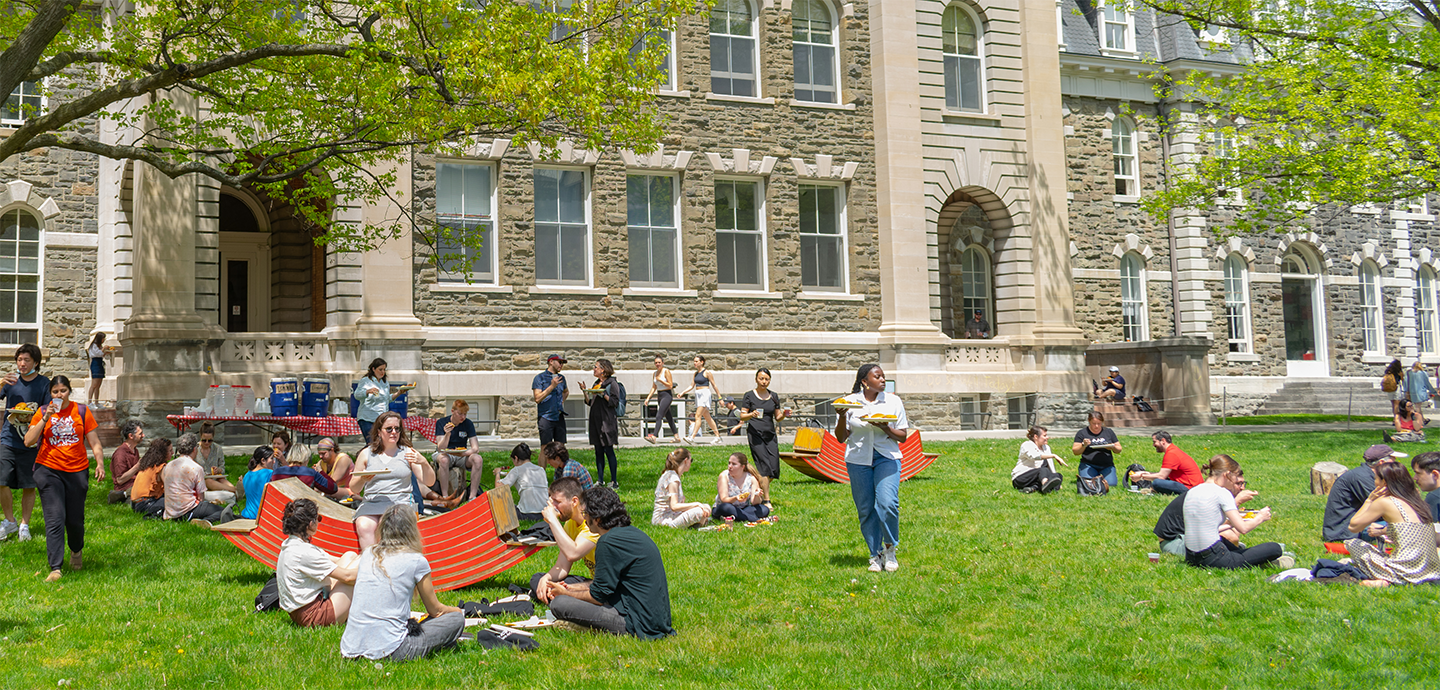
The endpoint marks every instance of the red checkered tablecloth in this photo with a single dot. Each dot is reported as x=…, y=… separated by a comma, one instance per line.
x=317, y=426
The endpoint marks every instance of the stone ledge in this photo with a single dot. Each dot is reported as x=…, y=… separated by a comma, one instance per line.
x=830, y=296
x=659, y=292
x=566, y=290
x=752, y=100
x=472, y=287
x=821, y=106
x=744, y=294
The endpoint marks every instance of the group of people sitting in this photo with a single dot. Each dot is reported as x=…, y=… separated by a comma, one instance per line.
x=739, y=493
x=1378, y=503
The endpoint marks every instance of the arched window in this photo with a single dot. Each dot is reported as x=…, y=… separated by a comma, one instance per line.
x=964, y=73
x=1372, y=323
x=19, y=277
x=1425, y=308
x=813, y=32
x=1122, y=143
x=1237, y=303
x=732, y=49
x=1133, y=313
x=975, y=290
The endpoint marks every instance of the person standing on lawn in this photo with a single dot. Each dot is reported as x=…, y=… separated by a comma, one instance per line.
x=315, y=588
x=872, y=436
x=551, y=392
x=761, y=409
x=1408, y=525
x=1096, y=444
x=707, y=393
x=662, y=387
x=1212, y=504
x=1348, y=493
x=17, y=462
x=62, y=431
x=125, y=461
x=1178, y=471
x=573, y=539
x=529, y=479
x=1035, y=466
x=603, y=398
x=374, y=394
x=629, y=595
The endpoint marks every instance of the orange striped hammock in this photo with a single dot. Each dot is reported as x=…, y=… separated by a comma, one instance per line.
x=828, y=464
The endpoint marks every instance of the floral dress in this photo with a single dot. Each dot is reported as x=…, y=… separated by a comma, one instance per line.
x=1415, y=559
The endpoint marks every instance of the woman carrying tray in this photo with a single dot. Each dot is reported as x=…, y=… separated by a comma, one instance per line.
x=872, y=432
x=383, y=471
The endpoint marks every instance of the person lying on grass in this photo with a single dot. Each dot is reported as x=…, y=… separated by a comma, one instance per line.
x=1212, y=504
x=737, y=491
x=629, y=595
x=1407, y=525
x=574, y=540
x=390, y=573
x=671, y=508
x=1427, y=477
x=315, y=587
x=261, y=468
x=147, y=495
x=1170, y=528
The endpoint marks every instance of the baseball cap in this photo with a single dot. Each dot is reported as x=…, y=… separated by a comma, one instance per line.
x=1380, y=451
x=556, y=356
x=1114, y=368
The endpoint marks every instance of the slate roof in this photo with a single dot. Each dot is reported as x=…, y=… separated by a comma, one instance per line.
x=1165, y=38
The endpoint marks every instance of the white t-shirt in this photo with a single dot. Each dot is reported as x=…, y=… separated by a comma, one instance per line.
x=533, y=484
x=662, y=495
x=300, y=570
x=1031, y=457
x=95, y=351
x=746, y=485
x=867, y=439
x=381, y=604
x=1205, y=508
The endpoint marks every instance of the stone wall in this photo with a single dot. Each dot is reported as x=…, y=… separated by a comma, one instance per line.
x=68, y=305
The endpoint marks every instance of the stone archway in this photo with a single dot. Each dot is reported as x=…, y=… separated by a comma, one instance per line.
x=974, y=217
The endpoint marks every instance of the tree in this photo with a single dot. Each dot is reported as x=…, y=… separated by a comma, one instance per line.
x=308, y=100
x=1335, y=108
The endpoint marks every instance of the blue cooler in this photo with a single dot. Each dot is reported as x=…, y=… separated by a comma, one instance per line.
x=285, y=397
x=315, y=397
x=400, y=404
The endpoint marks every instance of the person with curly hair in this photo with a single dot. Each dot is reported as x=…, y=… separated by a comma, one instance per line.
x=315, y=588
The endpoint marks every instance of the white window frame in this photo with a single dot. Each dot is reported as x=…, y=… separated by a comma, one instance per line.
x=670, y=79
x=967, y=310
x=843, y=220
x=761, y=212
x=754, y=37
x=1106, y=21
x=981, y=83
x=834, y=46
x=1214, y=34
x=1132, y=180
x=44, y=101
x=473, y=276
x=1417, y=205
x=39, y=276
x=1427, y=326
x=1237, y=304
x=1060, y=22
x=589, y=228
x=679, y=242
x=1133, y=298
x=1226, y=142
x=1372, y=312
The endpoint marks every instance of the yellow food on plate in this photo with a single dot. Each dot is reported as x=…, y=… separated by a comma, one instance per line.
x=880, y=418
x=843, y=404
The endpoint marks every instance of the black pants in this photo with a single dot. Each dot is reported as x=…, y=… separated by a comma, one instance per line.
x=663, y=400
x=552, y=430
x=601, y=454
x=1041, y=479
x=743, y=512
x=149, y=507
x=1224, y=555
x=217, y=515
x=62, y=501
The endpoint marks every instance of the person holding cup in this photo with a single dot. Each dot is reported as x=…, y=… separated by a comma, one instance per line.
x=761, y=408
x=63, y=432
x=872, y=434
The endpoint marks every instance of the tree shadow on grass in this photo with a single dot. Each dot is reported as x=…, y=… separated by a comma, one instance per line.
x=848, y=560
x=7, y=625
x=247, y=578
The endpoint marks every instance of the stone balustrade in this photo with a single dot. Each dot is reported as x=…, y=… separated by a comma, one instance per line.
x=274, y=352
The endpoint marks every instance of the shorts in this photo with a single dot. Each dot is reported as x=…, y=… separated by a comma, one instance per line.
x=17, y=467
x=1398, y=394
x=703, y=397
x=375, y=507
x=97, y=368
x=316, y=614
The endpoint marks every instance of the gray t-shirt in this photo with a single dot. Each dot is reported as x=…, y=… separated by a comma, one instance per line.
x=300, y=571
x=1205, y=508
x=381, y=604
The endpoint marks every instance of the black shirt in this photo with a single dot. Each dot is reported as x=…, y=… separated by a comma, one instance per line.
x=459, y=436
x=36, y=390
x=765, y=423
x=1171, y=524
x=1346, y=496
x=1099, y=457
x=1432, y=499
x=630, y=576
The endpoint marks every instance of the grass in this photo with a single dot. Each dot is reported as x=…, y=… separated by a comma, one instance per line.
x=1270, y=419
x=996, y=590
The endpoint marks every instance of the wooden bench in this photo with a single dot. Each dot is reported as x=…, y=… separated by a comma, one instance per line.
x=507, y=520
x=819, y=455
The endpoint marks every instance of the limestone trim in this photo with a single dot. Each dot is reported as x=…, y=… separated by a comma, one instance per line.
x=740, y=163
x=566, y=290
x=830, y=296
x=21, y=193
x=659, y=292
x=1369, y=251
x=744, y=294
x=820, y=106
x=657, y=159
x=471, y=287
x=75, y=240
x=846, y=9
x=1235, y=245
x=752, y=100
x=645, y=338
x=480, y=149
x=566, y=153
x=1132, y=244
x=1428, y=258
x=1309, y=239
x=825, y=168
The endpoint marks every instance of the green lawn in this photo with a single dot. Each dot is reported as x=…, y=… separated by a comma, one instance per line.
x=1272, y=419
x=996, y=589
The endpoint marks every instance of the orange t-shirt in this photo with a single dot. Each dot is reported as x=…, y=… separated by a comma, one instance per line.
x=148, y=484
x=62, y=445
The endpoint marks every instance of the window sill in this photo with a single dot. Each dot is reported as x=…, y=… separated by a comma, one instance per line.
x=821, y=106
x=658, y=292
x=567, y=290
x=752, y=100
x=1126, y=198
x=673, y=94
x=1375, y=358
x=831, y=296
x=1241, y=357
x=963, y=115
x=744, y=294
x=1113, y=52
x=472, y=287
x=1406, y=215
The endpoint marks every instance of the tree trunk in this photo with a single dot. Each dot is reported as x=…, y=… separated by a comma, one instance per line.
x=1323, y=476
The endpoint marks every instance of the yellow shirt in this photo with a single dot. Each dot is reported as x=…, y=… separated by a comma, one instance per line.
x=581, y=530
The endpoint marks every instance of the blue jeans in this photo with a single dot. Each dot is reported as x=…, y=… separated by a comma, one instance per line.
x=365, y=428
x=1097, y=471
x=876, y=490
x=1168, y=486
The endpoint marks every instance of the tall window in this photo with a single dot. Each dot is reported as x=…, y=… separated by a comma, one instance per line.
x=24, y=102
x=19, y=278
x=1118, y=27
x=1122, y=143
x=1226, y=145
x=654, y=238
x=732, y=49
x=960, y=43
x=1133, y=313
x=1371, y=322
x=1425, y=308
x=562, y=227
x=822, y=237
x=1237, y=304
x=665, y=40
x=975, y=285
x=813, y=34
x=738, y=235
x=464, y=206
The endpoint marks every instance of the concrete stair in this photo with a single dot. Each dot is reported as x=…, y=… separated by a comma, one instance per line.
x=1328, y=396
x=1127, y=415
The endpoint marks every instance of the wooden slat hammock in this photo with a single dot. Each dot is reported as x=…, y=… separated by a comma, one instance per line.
x=826, y=460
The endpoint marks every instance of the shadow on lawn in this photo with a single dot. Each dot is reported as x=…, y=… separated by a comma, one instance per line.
x=851, y=560
x=8, y=625
x=259, y=578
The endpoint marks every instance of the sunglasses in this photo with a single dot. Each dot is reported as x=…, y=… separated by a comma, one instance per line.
x=394, y=429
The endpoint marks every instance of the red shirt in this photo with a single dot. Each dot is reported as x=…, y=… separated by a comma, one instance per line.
x=121, y=461
x=1182, y=468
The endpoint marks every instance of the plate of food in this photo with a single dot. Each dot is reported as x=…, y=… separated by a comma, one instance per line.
x=371, y=473
x=880, y=418
x=842, y=404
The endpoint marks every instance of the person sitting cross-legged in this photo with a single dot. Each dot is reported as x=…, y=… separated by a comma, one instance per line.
x=315, y=587
x=1112, y=388
x=573, y=538
x=671, y=508
x=738, y=494
x=1348, y=493
x=557, y=456
x=1178, y=471
x=297, y=465
x=125, y=461
x=1170, y=528
x=261, y=469
x=147, y=494
x=1035, y=466
x=1212, y=504
x=529, y=479
x=629, y=595
x=185, y=488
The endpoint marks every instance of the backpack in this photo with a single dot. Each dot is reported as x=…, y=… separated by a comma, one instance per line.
x=1143, y=405
x=1389, y=384
x=620, y=399
x=1091, y=486
x=1138, y=484
x=269, y=597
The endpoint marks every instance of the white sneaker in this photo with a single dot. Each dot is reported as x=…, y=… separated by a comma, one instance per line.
x=24, y=532
x=877, y=564
x=891, y=565
x=7, y=528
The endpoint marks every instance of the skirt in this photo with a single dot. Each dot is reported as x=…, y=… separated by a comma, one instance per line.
x=97, y=368
x=375, y=507
x=702, y=397
x=765, y=453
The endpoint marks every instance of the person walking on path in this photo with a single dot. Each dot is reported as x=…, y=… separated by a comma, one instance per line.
x=761, y=408
x=1392, y=384
x=1419, y=390
x=706, y=394
x=662, y=388
x=96, y=352
x=872, y=435
x=551, y=392
x=17, y=462
x=603, y=397
x=62, y=472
